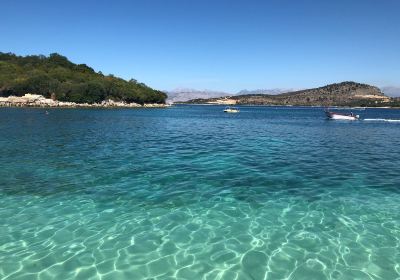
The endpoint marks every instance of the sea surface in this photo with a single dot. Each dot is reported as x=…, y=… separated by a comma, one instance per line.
x=190, y=192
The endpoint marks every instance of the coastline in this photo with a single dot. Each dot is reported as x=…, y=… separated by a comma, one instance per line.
x=38, y=101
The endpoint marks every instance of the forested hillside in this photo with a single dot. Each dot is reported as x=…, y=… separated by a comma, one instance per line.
x=58, y=78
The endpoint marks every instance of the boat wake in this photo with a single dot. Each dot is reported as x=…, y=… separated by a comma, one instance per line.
x=382, y=120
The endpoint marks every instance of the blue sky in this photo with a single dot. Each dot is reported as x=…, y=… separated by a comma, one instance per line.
x=220, y=45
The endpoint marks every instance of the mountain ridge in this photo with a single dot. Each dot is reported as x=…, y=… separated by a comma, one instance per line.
x=391, y=91
x=347, y=93
x=186, y=94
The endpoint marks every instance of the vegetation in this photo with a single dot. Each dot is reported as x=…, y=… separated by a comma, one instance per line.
x=394, y=102
x=57, y=77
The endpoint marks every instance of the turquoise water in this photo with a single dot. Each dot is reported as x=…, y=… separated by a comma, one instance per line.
x=192, y=193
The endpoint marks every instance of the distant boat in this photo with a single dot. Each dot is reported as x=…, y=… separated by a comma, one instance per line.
x=231, y=110
x=340, y=116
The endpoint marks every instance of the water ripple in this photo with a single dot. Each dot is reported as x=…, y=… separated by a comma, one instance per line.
x=191, y=193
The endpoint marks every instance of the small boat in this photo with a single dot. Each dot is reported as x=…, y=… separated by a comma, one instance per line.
x=340, y=116
x=231, y=110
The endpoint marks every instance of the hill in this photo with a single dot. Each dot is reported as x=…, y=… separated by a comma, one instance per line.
x=58, y=78
x=341, y=94
x=273, y=91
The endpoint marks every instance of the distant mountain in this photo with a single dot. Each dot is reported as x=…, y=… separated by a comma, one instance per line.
x=341, y=94
x=391, y=91
x=184, y=94
x=273, y=91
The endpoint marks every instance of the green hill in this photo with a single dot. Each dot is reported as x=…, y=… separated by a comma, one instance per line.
x=57, y=77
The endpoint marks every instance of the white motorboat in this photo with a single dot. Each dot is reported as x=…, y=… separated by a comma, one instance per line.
x=231, y=110
x=339, y=116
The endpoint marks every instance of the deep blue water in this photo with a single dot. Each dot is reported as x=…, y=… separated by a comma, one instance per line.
x=192, y=193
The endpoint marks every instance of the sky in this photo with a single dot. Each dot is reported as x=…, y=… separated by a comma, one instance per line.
x=215, y=44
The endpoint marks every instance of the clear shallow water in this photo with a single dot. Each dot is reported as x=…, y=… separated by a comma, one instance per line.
x=192, y=193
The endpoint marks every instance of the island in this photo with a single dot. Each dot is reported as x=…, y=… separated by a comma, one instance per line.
x=338, y=94
x=54, y=81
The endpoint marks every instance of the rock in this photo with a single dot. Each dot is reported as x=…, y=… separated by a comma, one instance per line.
x=35, y=100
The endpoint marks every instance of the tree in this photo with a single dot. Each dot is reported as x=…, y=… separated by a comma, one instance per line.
x=55, y=76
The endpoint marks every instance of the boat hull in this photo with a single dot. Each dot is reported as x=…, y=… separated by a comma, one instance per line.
x=336, y=116
x=231, y=110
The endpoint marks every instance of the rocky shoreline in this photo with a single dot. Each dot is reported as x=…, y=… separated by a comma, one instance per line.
x=35, y=100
